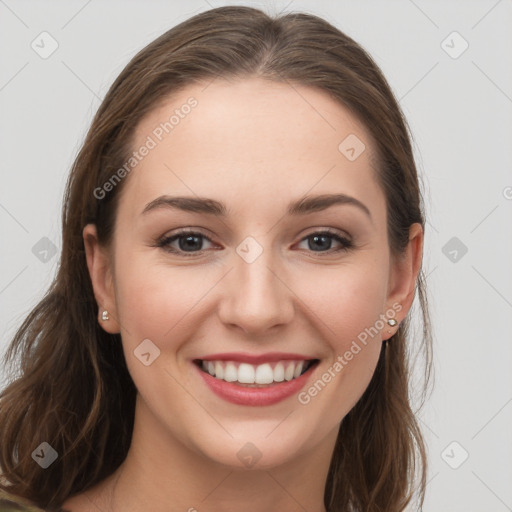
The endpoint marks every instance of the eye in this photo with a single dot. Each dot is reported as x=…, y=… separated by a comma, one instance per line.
x=323, y=241
x=190, y=242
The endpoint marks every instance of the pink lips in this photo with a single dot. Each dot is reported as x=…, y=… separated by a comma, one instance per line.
x=255, y=359
x=255, y=396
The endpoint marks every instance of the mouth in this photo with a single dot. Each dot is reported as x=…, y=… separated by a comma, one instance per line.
x=256, y=376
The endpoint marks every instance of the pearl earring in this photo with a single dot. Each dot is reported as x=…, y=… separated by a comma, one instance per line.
x=392, y=322
x=104, y=315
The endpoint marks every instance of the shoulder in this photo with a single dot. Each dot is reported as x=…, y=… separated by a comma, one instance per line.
x=11, y=503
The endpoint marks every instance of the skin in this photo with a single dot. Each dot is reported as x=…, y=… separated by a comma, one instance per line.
x=254, y=145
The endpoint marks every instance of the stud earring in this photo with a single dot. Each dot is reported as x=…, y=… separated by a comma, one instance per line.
x=392, y=322
x=104, y=315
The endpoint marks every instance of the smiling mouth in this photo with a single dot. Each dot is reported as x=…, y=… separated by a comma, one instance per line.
x=256, y=376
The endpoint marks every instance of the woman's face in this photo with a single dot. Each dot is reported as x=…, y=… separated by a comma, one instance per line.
x=258, y=281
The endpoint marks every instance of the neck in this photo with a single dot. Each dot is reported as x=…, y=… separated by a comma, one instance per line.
x=161, y=470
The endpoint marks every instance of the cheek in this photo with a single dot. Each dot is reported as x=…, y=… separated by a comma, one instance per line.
x=347, y=304
x=347, y=300
x=159, y=303
x=172, y=305
x=153, y=301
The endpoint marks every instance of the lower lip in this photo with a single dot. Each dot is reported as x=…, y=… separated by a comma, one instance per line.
x=242, y=395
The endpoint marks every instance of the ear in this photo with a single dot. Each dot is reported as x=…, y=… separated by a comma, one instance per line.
x=404, y=273
x=100, y=272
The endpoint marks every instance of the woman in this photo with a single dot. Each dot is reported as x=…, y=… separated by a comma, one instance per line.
x=242, y=244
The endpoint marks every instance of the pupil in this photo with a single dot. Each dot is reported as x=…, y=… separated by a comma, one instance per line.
x=190, y=241
x=321, y=237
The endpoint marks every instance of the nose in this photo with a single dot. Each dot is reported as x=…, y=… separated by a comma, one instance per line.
x=256, y=295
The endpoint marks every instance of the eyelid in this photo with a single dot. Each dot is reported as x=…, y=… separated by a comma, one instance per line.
x=330, y=231
x=344, y=238
x=166, y=239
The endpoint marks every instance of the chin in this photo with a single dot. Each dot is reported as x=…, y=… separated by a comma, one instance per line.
x=254, y=451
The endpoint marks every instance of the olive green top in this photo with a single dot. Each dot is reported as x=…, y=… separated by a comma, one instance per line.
x=10, y=503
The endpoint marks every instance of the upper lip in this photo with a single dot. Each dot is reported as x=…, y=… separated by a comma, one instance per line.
x=256, y=358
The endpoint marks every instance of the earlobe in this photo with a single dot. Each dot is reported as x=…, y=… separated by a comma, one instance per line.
x=100, y=272
x=405, y=272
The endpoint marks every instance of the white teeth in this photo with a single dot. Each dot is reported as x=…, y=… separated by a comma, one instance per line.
x=230, y=372
x=288, y=373
x=264, y=374
x=298, y=370
x=219, y=371
x=279, y=372
x=245, y=373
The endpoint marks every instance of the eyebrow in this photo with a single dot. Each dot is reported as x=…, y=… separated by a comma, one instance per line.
x=303, y=206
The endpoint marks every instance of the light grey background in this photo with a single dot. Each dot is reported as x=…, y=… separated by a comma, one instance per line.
x=460, y=112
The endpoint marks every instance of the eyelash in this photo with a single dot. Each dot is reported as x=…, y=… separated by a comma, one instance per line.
x=164, y=242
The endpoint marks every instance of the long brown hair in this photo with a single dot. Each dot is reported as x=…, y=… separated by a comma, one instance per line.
x=73, y=389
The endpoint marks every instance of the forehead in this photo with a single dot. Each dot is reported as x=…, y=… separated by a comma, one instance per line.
x=250, y=139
